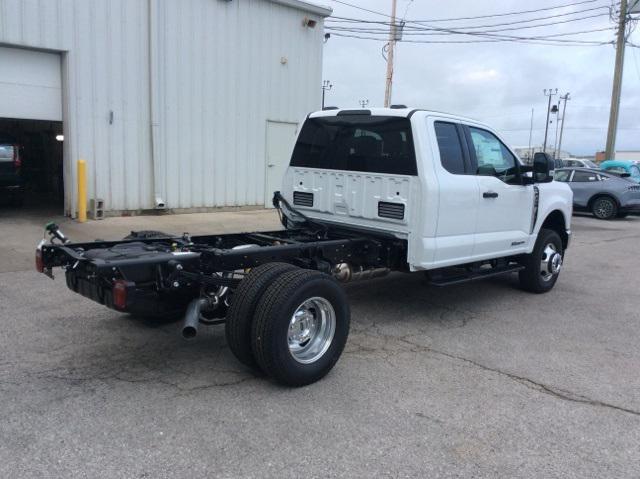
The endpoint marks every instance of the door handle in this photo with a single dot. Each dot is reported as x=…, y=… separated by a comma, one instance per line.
x=489, y=194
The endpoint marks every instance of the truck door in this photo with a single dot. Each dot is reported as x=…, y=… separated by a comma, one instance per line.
x=458, y=195
x=505, y=206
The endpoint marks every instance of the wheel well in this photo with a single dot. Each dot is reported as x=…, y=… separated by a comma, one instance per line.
x=555, y=221
x=602, y=195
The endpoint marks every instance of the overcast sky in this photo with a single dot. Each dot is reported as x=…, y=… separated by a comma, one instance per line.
x=497, y=83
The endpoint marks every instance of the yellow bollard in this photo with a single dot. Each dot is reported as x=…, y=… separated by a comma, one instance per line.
x=82, y=191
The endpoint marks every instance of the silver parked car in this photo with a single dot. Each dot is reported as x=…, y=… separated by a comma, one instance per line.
x=606, y=196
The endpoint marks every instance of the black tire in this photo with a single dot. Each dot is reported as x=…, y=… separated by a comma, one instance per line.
x=533, y=278
x=270, y=332
x=604, y=208
x=243, y=309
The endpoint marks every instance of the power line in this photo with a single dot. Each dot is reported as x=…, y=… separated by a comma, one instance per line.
x=337, y=19
x=491, y=39
x=474, y=17
x=411, y=30
x=426, y=33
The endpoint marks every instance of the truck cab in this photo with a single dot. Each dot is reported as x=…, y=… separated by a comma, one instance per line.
x=448, y=185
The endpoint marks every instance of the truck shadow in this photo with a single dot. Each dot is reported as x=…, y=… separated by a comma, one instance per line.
x=123, y=349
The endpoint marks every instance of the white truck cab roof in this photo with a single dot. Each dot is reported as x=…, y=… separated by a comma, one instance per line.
x=397, y=110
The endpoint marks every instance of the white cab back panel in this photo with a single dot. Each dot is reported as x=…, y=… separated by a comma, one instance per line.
x=353, y=198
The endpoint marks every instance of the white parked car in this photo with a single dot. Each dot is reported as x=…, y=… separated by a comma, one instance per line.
x=580, y=163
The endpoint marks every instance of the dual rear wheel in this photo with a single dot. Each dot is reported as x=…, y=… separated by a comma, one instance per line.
x=290, y=323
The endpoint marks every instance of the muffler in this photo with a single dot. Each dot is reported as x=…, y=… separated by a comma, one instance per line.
x=192, y=318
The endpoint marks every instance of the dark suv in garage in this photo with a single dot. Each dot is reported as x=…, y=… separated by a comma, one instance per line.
x=11, y=182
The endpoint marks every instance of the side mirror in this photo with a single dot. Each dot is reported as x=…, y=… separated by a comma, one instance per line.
x=543, y=168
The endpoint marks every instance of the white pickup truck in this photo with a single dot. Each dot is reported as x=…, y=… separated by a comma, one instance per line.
x=367, y=192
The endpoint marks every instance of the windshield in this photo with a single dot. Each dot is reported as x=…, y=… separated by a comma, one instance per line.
x=375, y=144
x=590, y=164
x=634, y=170
x=6, y=153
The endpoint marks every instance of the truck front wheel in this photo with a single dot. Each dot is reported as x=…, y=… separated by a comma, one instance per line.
x=542, y=266
x=301, y=327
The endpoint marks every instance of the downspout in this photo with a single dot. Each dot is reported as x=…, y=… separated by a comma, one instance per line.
x=157, y=169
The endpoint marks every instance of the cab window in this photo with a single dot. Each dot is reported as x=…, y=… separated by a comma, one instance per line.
x=562, y=175
x=493, y=158
x=450, y=146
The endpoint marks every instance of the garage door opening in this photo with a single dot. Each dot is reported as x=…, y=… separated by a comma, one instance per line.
x=31, y=155
x=31, y=161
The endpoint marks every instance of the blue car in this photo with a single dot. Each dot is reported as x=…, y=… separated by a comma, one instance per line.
x=622, y=168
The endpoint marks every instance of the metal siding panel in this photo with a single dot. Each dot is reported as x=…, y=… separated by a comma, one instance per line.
x=217, y=87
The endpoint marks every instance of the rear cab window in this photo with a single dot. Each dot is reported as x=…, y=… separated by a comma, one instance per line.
x=375, y=144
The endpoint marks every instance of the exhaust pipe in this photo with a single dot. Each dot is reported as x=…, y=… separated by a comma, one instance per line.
x=192, y=318
x=346, y=273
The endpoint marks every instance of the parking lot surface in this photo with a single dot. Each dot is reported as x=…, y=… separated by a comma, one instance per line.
x=476, y=380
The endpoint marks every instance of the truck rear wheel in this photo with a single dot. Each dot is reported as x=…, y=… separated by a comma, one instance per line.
x=243, y=309
x=301, y=327
x=543, y=265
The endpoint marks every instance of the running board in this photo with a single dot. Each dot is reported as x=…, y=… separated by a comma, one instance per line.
x=442, y=279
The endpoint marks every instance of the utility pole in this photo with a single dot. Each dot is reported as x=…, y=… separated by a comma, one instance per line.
x=555, y=141
x=531, y=134
x=326, y=86
x=546, y=128
x=617, y=84
x=391, y=44
x=363, y=103
x=564, y=111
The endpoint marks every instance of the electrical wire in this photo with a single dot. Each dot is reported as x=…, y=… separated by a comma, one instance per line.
x=428, y=31
x=338, y=19
x=357, y=7
x=420, y=34
x=488, y=40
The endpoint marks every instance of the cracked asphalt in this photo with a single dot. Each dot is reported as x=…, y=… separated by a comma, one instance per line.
x=475, y=380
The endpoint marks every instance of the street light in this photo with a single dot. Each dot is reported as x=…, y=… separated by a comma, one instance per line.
x=326, y=86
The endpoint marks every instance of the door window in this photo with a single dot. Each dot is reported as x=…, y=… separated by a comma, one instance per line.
x=562, y=175
x=450, y=146
x=493, y=158
x=584, y=177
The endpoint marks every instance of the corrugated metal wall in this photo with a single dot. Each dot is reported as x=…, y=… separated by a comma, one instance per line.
x=104, y=50
x=211, y=77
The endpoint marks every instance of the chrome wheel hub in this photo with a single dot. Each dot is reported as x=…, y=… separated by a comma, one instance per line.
x=311, y=330
x=551, y=262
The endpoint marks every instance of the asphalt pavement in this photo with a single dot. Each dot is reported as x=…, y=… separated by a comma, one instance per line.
x=475, y=380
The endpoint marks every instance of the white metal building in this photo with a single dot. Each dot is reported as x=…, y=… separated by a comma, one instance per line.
x=181, y=103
